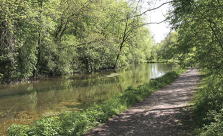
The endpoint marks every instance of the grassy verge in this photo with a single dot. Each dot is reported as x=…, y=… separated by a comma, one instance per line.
x=208, y=107
x=78, y=123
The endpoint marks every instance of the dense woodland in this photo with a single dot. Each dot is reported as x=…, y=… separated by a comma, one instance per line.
x=59, y=37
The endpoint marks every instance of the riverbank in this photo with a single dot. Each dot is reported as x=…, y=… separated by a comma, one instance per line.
x=158, y=115
x=80, y=122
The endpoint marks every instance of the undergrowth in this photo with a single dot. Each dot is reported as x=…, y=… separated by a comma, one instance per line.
x=208, y=108
x=78, y=123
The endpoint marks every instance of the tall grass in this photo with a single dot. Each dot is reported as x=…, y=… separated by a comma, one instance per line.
x=78, y=123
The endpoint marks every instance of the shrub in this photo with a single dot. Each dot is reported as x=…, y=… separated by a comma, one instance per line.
x=208, y=108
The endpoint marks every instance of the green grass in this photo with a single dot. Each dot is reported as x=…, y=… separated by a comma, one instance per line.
x=78, y=123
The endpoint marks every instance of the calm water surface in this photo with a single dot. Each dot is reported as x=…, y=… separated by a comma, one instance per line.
x=53, y=96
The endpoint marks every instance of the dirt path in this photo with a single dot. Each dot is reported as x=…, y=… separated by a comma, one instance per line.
x=158, y=115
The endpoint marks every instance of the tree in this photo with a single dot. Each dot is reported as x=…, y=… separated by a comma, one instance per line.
x=200, y=33
x=15, y=60
x=166, y=49
x=59, y=37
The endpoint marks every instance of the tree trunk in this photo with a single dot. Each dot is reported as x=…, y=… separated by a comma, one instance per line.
x=120, y=49
x=35, y=71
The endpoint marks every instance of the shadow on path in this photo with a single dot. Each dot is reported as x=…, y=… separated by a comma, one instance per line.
x=161, y=114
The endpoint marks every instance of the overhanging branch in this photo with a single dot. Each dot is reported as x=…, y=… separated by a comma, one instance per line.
x=154, y=8
x=157, y=22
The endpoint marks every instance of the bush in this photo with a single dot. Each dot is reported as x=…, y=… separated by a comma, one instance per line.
x=208, y=108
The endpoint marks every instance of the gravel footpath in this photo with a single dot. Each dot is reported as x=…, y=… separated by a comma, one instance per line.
x=161, y=114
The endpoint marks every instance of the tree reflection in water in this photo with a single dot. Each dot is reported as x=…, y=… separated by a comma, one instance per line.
x=53, y=96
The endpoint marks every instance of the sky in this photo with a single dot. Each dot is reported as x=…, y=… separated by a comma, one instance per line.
x=159, y=31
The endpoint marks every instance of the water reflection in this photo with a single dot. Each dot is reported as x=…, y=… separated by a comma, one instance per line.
x=157, y=70
x=56, y=95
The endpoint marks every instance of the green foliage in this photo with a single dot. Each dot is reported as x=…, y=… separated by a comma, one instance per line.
x=57, y=37
x=165, y=50
x=47, y=126
x=199, y=26
x=215, y=127
x=19, y=130
x=208, y=106
x=79, y=122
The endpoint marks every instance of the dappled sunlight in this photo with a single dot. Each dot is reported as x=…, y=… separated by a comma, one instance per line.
x=161, y=114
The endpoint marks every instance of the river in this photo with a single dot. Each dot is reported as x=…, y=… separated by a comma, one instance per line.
x=53, y=96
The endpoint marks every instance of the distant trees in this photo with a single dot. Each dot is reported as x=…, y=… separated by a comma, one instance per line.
x=165, y=50
x=58, y=37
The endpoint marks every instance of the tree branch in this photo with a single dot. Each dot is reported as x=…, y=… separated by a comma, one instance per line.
x=157, y=22
x=211, y=22
x=154, y=8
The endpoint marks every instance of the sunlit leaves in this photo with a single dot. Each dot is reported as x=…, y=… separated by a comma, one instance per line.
x=201, y=27
x=58, y=37
x=200, y=43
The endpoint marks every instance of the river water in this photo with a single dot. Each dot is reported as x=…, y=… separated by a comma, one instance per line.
x=53, y=96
